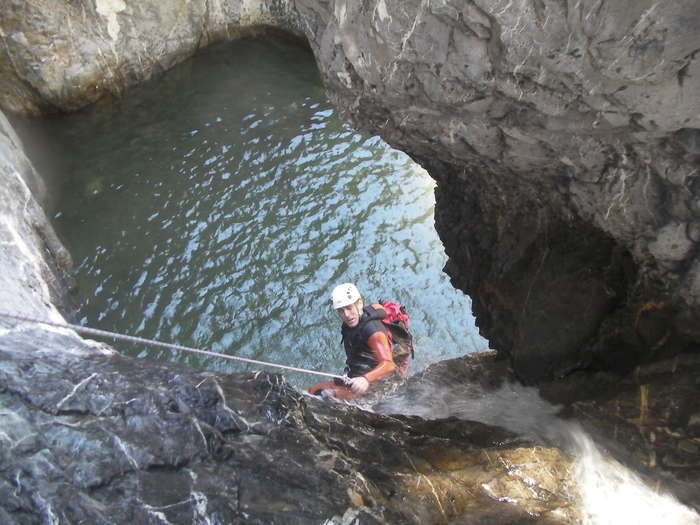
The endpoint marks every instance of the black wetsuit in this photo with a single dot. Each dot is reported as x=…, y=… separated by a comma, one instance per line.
x=360, y=358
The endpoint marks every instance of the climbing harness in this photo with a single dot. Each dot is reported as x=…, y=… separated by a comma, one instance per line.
x=132, y=339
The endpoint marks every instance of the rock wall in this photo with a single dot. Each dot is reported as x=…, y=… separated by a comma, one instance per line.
x=121, y=440
x=34, y=265
x=564, y=139
x=59, y=55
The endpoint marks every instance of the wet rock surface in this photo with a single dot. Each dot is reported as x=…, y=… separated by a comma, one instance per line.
x=649, y=419
x=91, y=436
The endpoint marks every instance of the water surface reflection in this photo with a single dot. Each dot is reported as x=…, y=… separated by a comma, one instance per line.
x=217, y=206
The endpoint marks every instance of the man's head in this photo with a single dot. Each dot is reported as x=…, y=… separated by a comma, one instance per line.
x=347, y=303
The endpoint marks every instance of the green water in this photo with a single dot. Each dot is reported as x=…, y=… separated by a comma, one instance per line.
x=218, y=205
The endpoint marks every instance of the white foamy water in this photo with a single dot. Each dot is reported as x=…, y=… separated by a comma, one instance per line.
x=610, y=493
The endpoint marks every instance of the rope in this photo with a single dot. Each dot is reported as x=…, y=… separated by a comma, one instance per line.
x=160, y=344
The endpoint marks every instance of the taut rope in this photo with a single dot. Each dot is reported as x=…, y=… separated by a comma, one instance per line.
x=160, y=344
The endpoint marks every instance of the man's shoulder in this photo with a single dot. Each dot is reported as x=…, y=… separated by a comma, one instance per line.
x=371, y=326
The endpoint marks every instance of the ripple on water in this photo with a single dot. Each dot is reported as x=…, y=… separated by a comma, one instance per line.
x=217, y=205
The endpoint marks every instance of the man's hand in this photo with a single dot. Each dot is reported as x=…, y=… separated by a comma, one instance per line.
x=358, y=385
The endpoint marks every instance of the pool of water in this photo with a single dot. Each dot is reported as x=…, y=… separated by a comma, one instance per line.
x=217, y=205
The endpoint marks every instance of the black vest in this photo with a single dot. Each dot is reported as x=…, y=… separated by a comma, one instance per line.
x=360, y=358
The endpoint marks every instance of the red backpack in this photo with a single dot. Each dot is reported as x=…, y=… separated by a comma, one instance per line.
x=395, y=313
x=396, y=321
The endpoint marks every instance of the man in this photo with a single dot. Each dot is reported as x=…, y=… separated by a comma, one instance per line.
x=368, y=346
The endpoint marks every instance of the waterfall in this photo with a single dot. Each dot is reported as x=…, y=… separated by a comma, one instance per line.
x=609, y=492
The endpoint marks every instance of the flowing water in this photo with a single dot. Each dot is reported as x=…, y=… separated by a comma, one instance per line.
x=217, y=206
x=609, y=493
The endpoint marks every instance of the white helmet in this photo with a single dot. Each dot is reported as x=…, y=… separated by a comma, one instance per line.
x=344, y=294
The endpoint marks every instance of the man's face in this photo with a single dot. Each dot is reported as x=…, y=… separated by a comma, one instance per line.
x=350, y=314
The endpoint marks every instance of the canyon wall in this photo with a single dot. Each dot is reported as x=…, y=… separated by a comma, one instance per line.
x=565, y=140
x=59, y=55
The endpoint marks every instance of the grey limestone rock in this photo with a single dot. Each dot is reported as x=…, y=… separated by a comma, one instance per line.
x=59, y=55
x=110, y=439
x=34, y=264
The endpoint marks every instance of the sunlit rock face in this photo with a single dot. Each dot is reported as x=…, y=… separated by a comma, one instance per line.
x=564, y=137
x=34, y=265
x=59, y=55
